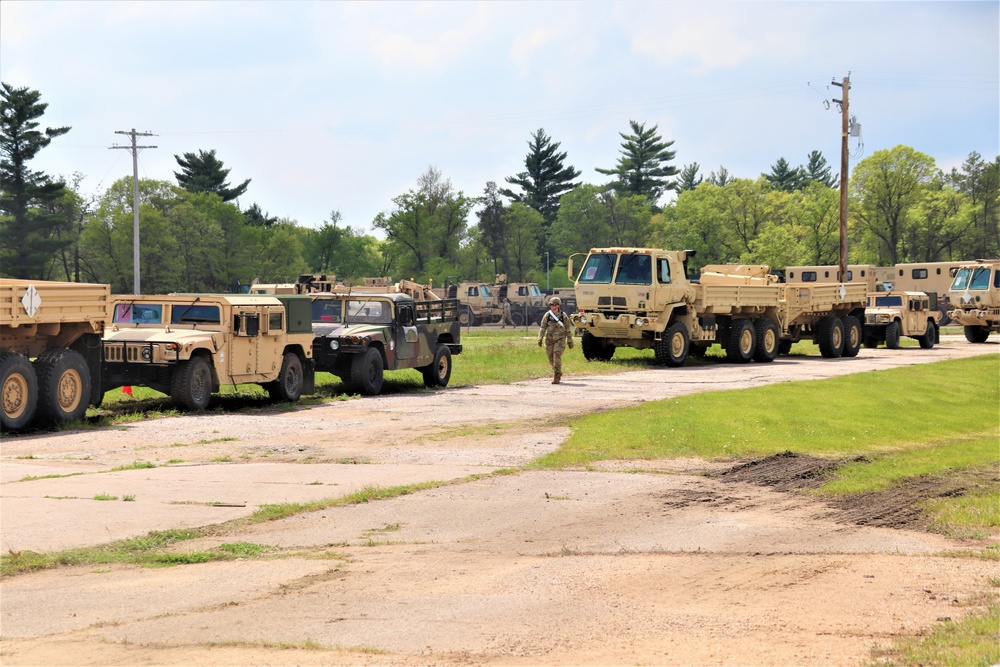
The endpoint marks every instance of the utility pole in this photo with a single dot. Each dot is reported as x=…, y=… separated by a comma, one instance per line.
x=135, y=198
x=846, y=86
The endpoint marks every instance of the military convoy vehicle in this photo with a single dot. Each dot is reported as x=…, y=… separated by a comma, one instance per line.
x=643, y=298
x=975, y=297
x=360, y=333
x=59, y=325
x=478, y=304
x=890, y=316
x=188, y=345
x=527, y=303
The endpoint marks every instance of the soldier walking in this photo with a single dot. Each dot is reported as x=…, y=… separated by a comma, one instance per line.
x=557, y=333
x=506, y=315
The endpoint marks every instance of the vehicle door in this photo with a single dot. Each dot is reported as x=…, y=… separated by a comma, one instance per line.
x=406, y=334
x=271, y=342
x=244, y=345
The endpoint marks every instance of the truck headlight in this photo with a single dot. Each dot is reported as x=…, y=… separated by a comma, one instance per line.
x=334, y=344
x=146, y=354
x=639, y=322
x=583, y=319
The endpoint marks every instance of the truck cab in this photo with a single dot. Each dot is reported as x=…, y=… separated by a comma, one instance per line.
x=891, y=315
x=975, y=298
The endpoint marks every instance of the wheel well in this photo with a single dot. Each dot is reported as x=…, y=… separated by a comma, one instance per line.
x=297, y=349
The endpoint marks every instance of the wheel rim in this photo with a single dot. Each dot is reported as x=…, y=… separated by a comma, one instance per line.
x=677, y=344
x=291, y=379
x=15, y=396
x=837, y=337
x=199, y=385
x=442, y=368
x=69, y=392
x=770, y=340
x=746, y=341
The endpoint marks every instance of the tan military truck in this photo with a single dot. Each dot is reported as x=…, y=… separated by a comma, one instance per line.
x=527, y=303
x=890, y=316
x=643, y=298
x=362, y=332
x=478, y=303
x=59, y=325
x=975, y=298
x=189, y=345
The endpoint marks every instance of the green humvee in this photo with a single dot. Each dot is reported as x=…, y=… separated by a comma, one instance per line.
x=360, y=335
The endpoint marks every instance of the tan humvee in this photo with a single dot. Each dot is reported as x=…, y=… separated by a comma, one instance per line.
x=59, y=325
x=188, y=345
x=478, y=302
x=975, y=295
x=643, y=298
x=889, y=316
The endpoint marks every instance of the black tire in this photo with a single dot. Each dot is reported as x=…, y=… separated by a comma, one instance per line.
x=853, y=336
x=785, y=346
x=366, y=372
x=63, y=385
x=517, y=318
x=742, y=341
x=768, y=340
x=830, y=335
x=439, y=372
x=291, y=379
x=591, y=346
x=892, y=335
x=698, y=350
x=672, y=349
x=18, y=391
x=929, y=338
x=191, y=387
x=871, y=342
x=945, y=320
x=976, y=334
x=465, y=316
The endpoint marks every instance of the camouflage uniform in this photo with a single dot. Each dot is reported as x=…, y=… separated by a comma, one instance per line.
x=506, y=315
x=557, y=333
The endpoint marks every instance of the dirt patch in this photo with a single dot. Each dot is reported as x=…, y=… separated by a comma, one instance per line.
x=902, y=506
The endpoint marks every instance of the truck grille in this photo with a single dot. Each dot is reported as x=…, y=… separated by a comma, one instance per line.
x=611, y=302
x=128, y=353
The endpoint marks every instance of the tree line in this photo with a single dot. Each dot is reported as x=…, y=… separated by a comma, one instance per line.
x=195, y=236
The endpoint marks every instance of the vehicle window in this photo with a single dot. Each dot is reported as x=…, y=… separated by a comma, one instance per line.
x=375, y=312
x=980, y=279
x=486, y=290
x=139, y=313
x=663, y=275
x=535, y=291
x=635, y=270
x=889, y=300
x=194, y=314
x=473, y=291
x=598, y=269
x=275, y=322
x=961, y=279
x=326, y=310
x=919, y=274
x=522, y=291
x=996, y=278
x=808, y=276
x=253, y=325
x=850, y=276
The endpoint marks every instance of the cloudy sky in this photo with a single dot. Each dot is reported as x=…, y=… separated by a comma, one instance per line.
x=342, y=105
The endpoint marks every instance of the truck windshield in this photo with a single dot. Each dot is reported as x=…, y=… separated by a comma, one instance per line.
x=598, y=268
x=326, y=310
x=972, y=278
x=635, y=270
x=184, y=314
x=888, y=301
x=139, y=313
x=374, y=312
x=484, y=290
x=535, y=291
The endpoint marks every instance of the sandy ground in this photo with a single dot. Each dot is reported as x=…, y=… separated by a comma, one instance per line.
x=667, y=562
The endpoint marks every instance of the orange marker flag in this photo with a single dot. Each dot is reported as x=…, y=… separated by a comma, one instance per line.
x=127, y=390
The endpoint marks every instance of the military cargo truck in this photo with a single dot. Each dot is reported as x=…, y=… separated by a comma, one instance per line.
x=890, y=316
x=643, y=298
x=359, y=335
x=189, y=345
x=59, y=325
x=975, y=298
x=478, y=304
x=527, y=303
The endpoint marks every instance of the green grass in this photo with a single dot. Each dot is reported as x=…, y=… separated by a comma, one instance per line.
x=971, y=642
x=856, y=414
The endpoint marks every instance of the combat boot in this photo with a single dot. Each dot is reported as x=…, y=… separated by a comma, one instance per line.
x=556, y=379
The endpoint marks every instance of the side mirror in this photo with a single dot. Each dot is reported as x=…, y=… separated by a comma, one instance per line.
x=406, y=316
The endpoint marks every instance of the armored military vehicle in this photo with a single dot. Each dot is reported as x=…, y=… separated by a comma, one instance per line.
x=975, y=296
x=188, y=345
x=59, y=325
x=527, y=303
x=890, y=316
x=478, y=303
x=643, y=298
x=360, y=334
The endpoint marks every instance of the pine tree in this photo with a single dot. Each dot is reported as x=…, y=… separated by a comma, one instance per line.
x=783, y=177
x=545, y=180
x=204, y=173
x=689, y=178
x=642, y=169
x=32, y=229
x=819, y=171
